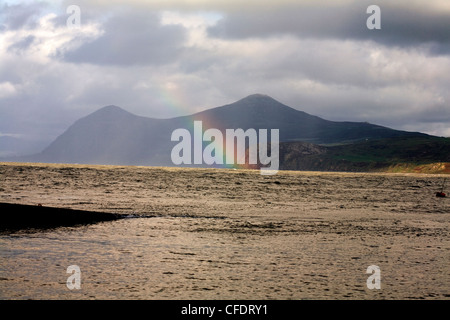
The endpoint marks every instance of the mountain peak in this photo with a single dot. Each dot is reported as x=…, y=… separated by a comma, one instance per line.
x=110, y=112
x=258, y=102
x=112, y=109
x=257, y=98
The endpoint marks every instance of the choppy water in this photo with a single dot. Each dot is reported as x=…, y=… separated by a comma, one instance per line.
x=225, y=234
x=174, y=258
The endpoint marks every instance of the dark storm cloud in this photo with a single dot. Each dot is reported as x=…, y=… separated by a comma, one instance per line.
x=170, y=58
x=405, y=27
x=132, y=39
x=400, y=25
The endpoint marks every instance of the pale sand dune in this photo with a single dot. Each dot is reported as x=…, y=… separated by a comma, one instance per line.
x=318, y=231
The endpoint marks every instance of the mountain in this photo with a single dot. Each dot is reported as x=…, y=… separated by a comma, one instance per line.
x=263, y=112
x=112, y=135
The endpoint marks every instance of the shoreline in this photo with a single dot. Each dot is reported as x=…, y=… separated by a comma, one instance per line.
x=408, y=170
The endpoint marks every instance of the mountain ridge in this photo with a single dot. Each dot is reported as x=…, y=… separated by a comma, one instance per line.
x=112, y=135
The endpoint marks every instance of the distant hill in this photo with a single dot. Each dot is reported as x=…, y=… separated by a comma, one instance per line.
x=401, y=154
x=112, y=135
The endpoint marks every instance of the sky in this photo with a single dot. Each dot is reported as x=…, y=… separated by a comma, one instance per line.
x=168, y=58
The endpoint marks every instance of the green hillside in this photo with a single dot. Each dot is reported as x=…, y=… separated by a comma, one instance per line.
x=391, y=154
x=418, y=150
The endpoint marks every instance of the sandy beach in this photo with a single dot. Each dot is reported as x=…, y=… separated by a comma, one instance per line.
x=228, y=234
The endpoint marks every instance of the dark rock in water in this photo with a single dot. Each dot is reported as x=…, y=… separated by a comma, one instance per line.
x=18, y=216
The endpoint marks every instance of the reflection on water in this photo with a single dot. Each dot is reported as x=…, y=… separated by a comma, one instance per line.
x=203, y=258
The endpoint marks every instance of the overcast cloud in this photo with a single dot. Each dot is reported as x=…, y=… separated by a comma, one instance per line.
x=169, y=58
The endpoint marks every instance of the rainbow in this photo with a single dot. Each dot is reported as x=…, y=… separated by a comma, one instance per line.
x=174, y=99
